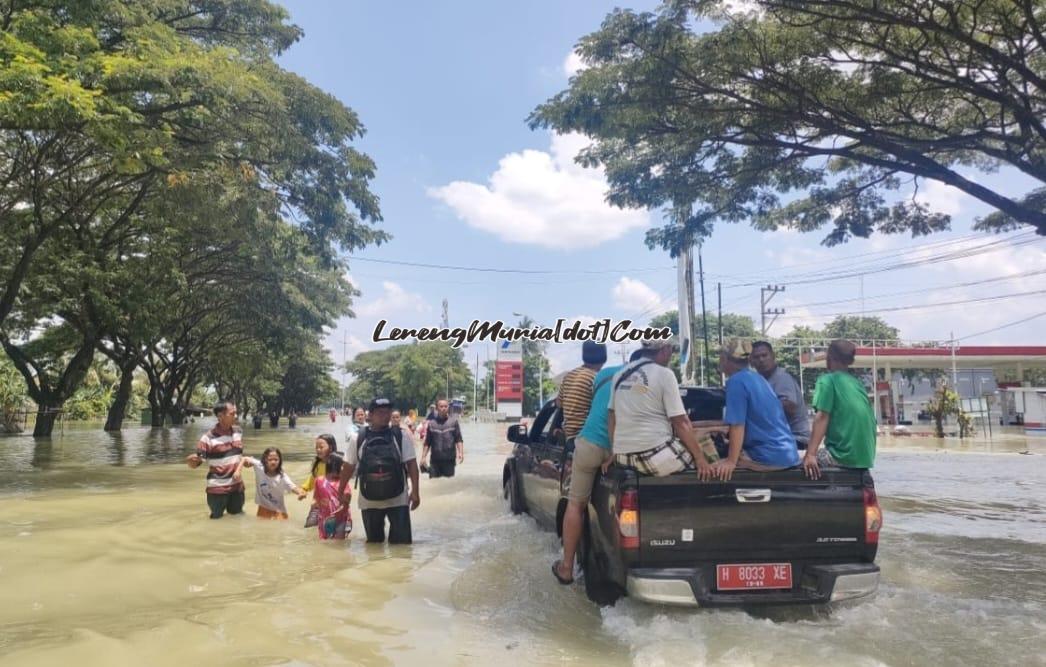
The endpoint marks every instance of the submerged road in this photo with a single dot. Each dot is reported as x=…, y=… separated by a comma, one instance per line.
x=107, y=558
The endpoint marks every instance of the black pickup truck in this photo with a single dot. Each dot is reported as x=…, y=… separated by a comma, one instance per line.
x=762, y=538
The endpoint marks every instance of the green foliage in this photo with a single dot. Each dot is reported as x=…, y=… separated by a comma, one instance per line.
x=945, y=402
x=169, y=191
x=734, y=326
x=411, y=376
x=13, y=396
x=812, y=115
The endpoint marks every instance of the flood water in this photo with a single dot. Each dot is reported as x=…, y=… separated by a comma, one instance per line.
x=107, y=558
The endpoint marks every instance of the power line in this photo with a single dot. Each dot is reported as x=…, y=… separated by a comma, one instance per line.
x=501, y=270
x=818, y=277
x=921, y=290
x=1004, y=326
x=997, y=297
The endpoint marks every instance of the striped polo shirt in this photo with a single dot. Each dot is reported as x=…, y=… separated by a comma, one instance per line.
x=575, y=398
x=222, y=454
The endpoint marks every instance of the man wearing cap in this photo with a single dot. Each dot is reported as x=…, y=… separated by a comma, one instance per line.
x=646, y=421
x=396, y=510
x=760, y=438
x=589, y=387
x=575, y=392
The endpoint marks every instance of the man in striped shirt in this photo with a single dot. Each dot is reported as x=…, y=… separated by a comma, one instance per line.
x=575, y=393
x=222, y=449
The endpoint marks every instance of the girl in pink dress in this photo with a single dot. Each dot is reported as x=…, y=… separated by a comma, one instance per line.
x=330, y=513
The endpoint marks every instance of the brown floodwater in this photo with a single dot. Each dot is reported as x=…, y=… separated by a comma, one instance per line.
x=107, y=558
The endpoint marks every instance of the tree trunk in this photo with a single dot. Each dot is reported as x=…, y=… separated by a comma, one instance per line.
x=46, y=415
x=155, y=406
x=118, y=409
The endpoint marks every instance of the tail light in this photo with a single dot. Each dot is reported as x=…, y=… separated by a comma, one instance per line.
x=873, y=517
x=628, y=520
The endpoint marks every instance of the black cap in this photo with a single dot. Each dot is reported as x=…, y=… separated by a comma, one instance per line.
x=380, y=403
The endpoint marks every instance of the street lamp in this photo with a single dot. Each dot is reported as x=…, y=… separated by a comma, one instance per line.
x=541, y=379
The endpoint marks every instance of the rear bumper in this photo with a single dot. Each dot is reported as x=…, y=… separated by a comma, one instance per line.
x=817, y=584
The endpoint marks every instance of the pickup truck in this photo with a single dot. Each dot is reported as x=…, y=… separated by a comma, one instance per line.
x=762, y=538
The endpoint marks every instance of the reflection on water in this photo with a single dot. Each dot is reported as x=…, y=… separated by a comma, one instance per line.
x=107, y=558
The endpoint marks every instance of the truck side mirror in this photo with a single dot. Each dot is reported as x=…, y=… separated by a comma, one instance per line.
x=518, y=434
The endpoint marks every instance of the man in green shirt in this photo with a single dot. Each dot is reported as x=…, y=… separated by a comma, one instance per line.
x=844, y=420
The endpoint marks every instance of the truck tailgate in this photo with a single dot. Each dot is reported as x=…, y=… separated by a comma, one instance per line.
x=774, y=515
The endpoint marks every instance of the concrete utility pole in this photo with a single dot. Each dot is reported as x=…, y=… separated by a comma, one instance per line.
x=704, y=316
x=344, y=360
x=446, y=320
x=763, y=300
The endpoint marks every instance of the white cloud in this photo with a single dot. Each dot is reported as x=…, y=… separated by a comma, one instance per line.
x=636, y=297
x=573, y=64
x=941, y=198
x=393, y=301
x=543, y=198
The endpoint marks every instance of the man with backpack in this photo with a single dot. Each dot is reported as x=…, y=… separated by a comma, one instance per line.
x=383, y=457
x=443, y=439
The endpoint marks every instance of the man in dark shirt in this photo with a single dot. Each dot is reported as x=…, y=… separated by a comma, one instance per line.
x=787, y=389
x=443, y=439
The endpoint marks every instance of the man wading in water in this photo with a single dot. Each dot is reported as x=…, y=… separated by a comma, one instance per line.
x=222, y=449
x=443, y=437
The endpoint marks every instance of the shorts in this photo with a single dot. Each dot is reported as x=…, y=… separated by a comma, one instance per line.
x=266, y=513
x=588, y=459
x=825, y=458
x=219, y=503
x=399, y=524
x=441, y=468
x=745, y=462
x=666, y=459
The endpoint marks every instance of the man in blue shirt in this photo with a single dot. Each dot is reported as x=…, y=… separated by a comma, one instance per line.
x=760, y=438
x=591, y=450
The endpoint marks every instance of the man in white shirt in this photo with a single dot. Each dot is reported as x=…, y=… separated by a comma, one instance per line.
x=649, y=428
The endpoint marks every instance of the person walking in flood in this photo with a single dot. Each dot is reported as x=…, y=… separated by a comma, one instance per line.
x=443, y=439
x=271, y=483
x=222, y=449
x=384, y=458
x=844, y=420
x=591, y=451
x=330, y=510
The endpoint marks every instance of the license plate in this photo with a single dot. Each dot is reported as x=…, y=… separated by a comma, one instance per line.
x=753, y=576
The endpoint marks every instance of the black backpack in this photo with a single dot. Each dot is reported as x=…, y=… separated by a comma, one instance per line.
x=381, y=473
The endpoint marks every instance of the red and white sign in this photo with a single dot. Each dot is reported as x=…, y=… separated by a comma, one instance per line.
x=508, y=381
x=747, y=576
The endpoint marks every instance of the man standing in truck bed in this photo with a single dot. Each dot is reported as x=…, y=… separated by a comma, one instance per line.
x=787, y=389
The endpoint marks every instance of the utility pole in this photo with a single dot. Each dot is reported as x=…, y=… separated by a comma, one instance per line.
x=446, y=320
x=475, y=389
x=344, y=361
x=772, y=290
x=719, y=295
x=704, y=315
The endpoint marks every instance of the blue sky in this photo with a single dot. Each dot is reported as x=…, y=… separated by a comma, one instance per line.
x=444, y=89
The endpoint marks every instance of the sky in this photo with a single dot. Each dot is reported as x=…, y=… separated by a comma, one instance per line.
x=444, y=90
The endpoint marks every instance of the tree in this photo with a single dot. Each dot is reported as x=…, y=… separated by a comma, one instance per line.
x=812, y=114
x=108, y=111
x=734, y=326
x=945, y=402
x=411, y=375
x=13, y=396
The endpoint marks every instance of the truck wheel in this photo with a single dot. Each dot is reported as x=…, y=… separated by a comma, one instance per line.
x=511, y=492
x=599, y=587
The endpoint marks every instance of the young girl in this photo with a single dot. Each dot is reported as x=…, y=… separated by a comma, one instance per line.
x=270, y=483
x=333, y=520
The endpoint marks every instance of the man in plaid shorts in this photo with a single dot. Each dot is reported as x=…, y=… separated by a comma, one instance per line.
x=648, y=425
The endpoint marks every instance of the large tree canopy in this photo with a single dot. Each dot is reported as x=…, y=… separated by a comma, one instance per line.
x=813, y=114
x=166, y=189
